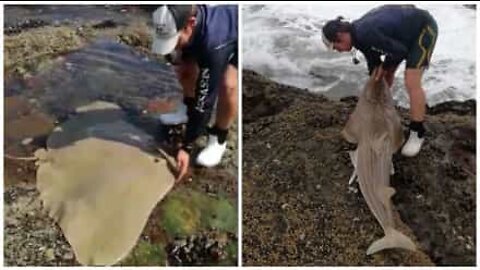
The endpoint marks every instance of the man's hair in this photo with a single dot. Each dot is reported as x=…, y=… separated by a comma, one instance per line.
x=332, y=27
x=181, y=13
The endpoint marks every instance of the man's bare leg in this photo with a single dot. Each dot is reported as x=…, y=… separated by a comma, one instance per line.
x=413, y=83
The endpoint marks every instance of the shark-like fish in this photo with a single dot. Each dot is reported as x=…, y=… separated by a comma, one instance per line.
x=375, y=126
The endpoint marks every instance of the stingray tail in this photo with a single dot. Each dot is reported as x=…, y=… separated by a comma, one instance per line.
x=392, y=239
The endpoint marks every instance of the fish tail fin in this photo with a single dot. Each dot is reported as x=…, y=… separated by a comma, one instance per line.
x=392, y=239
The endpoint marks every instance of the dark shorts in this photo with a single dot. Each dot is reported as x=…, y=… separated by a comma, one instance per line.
x=421, y=52
x=233, y=58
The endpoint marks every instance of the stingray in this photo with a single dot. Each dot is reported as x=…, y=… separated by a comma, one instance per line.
x=376, y=127
x=99, y=179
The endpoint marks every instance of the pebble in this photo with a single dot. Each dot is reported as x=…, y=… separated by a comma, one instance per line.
x=210, y=242
x=181, y=242
x=27, y=141
x=69, y=66
x=318, y=187
x=352, y=190
x=68, y=256
x=209, y=188
x=50, y=254
x=191, y=238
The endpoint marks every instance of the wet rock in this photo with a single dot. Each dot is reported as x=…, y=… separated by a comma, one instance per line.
x=459, y=108
x=23, y=25
x=201, y=249
x=31, y=237
x=109, y=23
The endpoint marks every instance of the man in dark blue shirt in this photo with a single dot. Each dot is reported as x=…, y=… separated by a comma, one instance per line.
x=207, y=41
x=394, y=33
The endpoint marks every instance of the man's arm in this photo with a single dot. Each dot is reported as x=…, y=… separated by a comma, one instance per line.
x=199, y=114
x=373, y=60
x=211, y=72
x=390, y=74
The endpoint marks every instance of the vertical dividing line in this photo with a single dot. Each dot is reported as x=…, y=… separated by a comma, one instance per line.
x=240, y=132
x=2, y=131
x=477, y=124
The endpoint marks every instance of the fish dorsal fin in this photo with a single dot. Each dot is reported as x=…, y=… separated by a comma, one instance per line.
x=353, y=157
x=385, y=194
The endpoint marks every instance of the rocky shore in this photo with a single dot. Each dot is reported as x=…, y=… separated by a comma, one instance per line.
x=299, y=210
x=37, y=39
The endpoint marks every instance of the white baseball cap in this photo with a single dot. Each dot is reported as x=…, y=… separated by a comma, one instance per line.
x=167, y=23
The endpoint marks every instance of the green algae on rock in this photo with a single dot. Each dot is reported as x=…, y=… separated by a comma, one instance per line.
x=187, y=211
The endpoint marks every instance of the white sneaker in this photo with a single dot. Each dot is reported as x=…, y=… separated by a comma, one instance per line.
x=413, y=145
x=212, y=154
